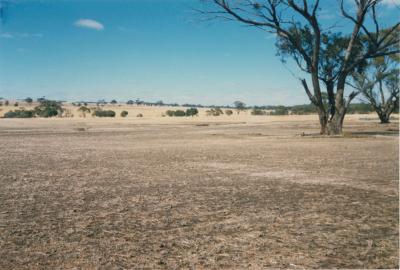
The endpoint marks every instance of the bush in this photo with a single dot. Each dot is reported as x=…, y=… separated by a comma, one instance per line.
x=130, y=102
x=170, y=113
x=113, y=101
x=280, y=110
x=192, y=112
x=48, y=108
x=258, y=111
x=104, y=113
x=6, y=103
x=228, y=112
x=84, y=110
x=124, y=113
x=179, y=113
x=16, y=104
x=28, y=100
x=19, y=114
x=215, y=112
x=139, y=115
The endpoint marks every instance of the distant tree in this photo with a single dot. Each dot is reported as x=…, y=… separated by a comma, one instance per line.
x=160, y=103
x=240, y=106
x=49, y=108
x=192, y=112
x=130, y=102
x=16, y=104
x=113, y=101
x=28, y=100
x=41, y=99
x=124, y=113
x=280, y=110
x=6, y=103
x=258, y=111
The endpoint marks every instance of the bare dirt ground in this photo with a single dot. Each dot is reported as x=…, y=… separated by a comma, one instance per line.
x=201, y=193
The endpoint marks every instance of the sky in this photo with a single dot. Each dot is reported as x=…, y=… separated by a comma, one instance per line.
x=87, y=50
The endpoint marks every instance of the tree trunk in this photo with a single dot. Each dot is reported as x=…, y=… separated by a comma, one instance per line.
x=323, y=121
x=385, y=118
x=335, y=124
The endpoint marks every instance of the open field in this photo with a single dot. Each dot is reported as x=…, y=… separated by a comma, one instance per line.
x=204, y=192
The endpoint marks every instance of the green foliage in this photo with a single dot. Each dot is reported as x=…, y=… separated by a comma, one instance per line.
x=28, y=100
x=280, y=110
x=192, y=112
x=239, y=105
x=113, y=101
x=258, y=111
x=130, y=102
x=48, y=108
x=303, y=109
x=139, y=115
x=228, y=112
x=104, y=113
x=16, y=104
x=6, y=103
x=124, y=114
x=19, y=114
x=179, y=113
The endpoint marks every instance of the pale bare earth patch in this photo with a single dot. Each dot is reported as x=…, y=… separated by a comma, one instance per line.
x=204, y=193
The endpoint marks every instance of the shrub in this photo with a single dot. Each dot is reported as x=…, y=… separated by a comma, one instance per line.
x=214, y=112
x=228, y=112
x=170, y=113
x=179, y=113
x=48, y=108
x=84, y=110
x=258, y=111
x=6, y=103
x=19, y=114
x=124, y=113
x=28, y=100
x=130, y=102
x=280, y=110
x=16, y=104
x=113, y=101
x=104, y=113
x=139, y=115
x=192, y=112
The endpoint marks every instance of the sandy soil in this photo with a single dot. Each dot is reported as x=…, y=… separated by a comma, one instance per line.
x=204, y=193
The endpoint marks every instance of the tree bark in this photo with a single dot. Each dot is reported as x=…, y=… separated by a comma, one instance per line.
x=384, y=117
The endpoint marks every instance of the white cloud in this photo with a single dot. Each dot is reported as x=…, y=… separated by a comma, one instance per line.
x=88, y=23
x=21, y=35
x=391, y=3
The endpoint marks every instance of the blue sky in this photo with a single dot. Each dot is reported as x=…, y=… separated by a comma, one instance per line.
x=147, y=49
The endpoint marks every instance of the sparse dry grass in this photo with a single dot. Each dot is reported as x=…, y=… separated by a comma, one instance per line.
x=201, y=193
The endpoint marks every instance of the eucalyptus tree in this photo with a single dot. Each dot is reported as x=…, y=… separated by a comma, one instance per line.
x=297, y=26
x=379, y=84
